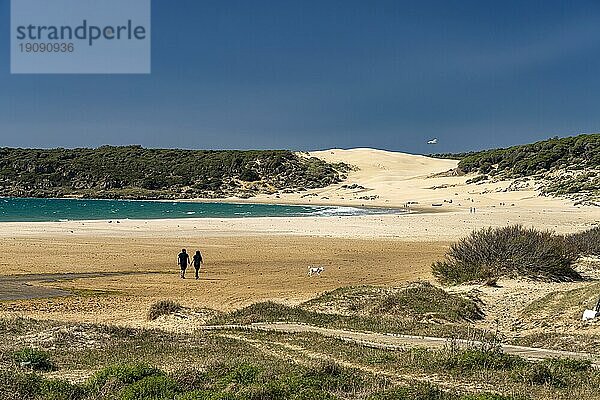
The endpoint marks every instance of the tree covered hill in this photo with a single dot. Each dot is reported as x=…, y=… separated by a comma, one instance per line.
x=136, y=172
x=574, y=153
x=564, y=166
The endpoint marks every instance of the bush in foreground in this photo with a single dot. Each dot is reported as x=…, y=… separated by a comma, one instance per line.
x=323, y=381
x=586, y=243
x=117, y=376
x=54, y=389
x=151, y=387
x=163, y=307
x=511, y=251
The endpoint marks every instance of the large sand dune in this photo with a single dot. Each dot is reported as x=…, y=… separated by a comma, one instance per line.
x=391, y=179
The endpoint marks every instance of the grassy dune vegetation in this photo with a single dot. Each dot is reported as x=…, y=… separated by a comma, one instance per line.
x=417, y=300
x=163, y=307
x=586, y=243
x=135, y=172
x=83, y=362
x=418, y=308
x=578, y=152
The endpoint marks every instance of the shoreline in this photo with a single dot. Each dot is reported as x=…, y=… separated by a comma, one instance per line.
x=257, y=200
x=360, y=211
x=414, y=226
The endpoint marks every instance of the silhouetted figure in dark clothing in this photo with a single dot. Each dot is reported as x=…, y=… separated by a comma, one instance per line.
x=183, y=259
x=197, y=262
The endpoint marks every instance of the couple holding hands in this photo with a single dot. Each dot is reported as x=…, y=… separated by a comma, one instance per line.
x=183, y=260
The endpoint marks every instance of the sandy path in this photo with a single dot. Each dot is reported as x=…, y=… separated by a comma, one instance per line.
x=393, y=341
x=301, y=355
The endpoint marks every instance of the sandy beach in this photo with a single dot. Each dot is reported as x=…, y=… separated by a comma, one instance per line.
x=255, y=259
x=238, y=271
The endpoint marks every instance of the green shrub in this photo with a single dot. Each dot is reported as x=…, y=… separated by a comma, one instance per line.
x=478, y=178
x=417, y=392
x=120, y=375
x=249, y=175
x=489, y=396
x=190, y=379
x=264, y=391
x=542, y=374
x=157, y=387
x=163, y=307
x=312, y=394
x=61, y=390
x=511, y=251
x=34, y=359
x=569, y=365
x=206, y=395
x=428, y=392
x=242, y=374
x=17, y=386
x=556, y=372
x=478, y=359
x=331, y=377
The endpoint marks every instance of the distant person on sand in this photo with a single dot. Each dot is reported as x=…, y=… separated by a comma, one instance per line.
x=197, y=262
x=183, y=259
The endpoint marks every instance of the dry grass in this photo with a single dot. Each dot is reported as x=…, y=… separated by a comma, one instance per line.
x=163, y=307
x=417, y=300
x=586, y=243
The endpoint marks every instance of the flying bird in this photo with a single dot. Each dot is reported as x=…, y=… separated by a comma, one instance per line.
x=433, y=141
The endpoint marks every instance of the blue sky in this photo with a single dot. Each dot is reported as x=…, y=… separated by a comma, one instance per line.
x=312, y=74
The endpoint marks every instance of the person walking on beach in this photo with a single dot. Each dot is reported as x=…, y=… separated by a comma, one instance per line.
x=197, y=262
x=183, y=259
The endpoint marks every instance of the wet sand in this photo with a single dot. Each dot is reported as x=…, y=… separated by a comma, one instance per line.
x=29, y=286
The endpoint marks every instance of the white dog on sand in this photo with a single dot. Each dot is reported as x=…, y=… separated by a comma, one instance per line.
x=315, y=270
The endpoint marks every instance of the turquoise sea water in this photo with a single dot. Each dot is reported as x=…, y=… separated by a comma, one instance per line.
x=48, y=210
